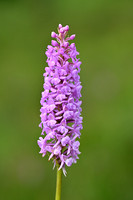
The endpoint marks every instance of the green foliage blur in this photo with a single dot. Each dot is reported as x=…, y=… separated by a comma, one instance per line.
x=104, y=38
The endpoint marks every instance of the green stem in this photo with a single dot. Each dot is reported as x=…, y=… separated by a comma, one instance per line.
x=58, y=185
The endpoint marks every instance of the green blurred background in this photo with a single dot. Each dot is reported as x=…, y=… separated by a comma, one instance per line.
x=104, y=38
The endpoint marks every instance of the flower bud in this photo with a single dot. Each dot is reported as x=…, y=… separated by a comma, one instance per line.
x=53, y=35
x=54, y=43
x=66, y=28
x=72, y=37
x=65, y=44
x=60, y=26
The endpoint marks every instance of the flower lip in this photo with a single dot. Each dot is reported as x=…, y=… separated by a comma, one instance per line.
x=65, y=140
x=69, y=162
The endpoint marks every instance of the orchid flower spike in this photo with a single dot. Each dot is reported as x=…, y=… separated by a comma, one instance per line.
x=61, y=108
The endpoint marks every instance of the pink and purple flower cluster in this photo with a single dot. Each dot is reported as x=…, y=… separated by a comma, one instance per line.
x=60, y=112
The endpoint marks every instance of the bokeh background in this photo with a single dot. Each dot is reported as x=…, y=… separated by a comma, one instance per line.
x=104, y=38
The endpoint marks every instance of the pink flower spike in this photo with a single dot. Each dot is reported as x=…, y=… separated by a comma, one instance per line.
x=61, y=120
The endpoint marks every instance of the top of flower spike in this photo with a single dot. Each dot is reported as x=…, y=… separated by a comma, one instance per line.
x=62, y=34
